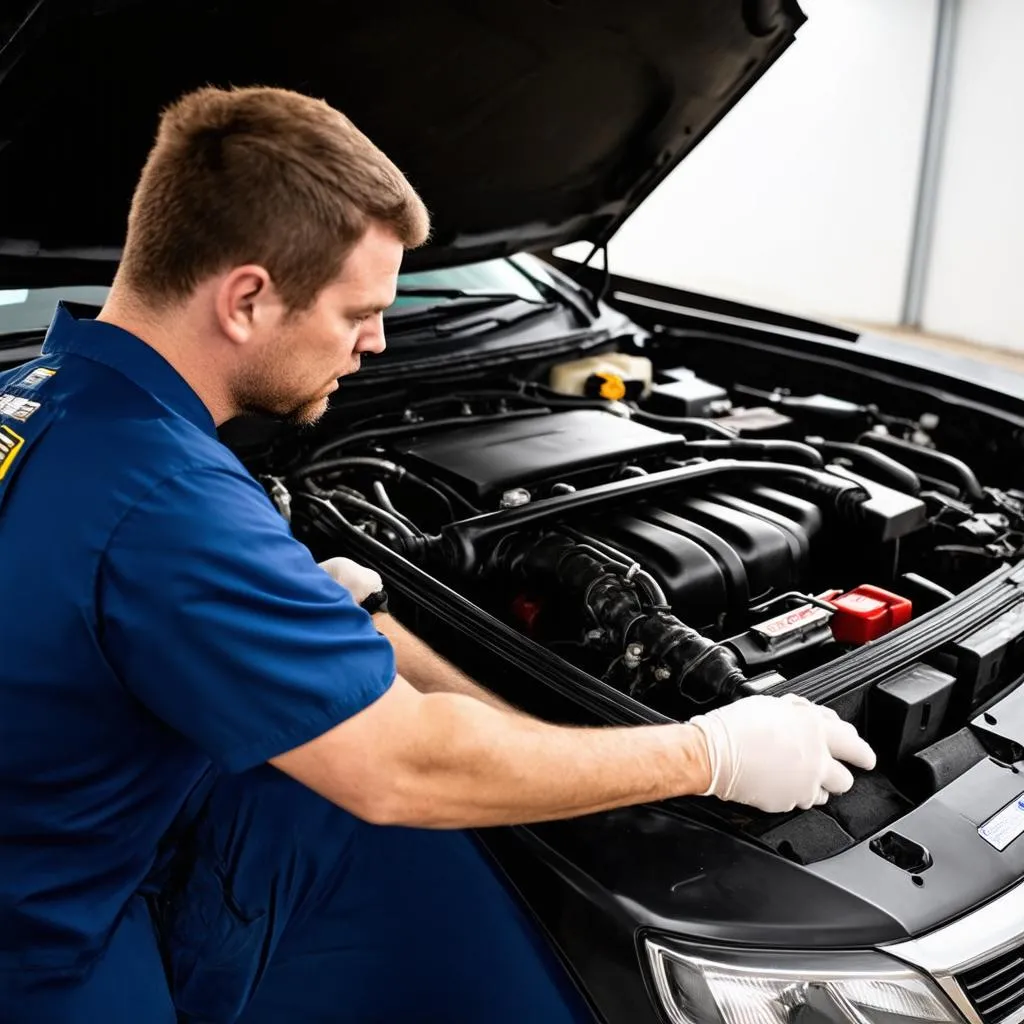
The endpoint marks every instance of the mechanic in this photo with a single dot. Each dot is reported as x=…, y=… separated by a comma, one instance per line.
x=220, y=800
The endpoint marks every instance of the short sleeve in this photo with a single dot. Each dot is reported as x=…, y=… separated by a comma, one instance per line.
x=221, y=623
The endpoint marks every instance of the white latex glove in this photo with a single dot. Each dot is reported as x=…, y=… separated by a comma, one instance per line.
x=777, y=753
x=359, y=581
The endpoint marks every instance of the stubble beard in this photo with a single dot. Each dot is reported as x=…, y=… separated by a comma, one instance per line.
x=305, y=414
x=263, y=395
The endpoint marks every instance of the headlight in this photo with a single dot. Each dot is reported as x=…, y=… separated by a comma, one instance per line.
x=705, y=986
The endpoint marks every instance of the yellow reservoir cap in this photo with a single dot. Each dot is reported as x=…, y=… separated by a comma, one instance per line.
x=613, y=387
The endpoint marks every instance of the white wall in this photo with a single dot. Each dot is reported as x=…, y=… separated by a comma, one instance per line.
x=803, y=197
x=974, y=288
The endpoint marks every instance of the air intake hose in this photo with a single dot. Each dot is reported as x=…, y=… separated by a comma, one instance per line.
x=673, y=654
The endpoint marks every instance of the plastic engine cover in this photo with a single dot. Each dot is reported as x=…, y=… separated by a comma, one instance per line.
x=485, y=460
x=718, y=553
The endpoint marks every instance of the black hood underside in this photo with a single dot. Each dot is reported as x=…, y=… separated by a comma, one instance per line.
x=523, y=124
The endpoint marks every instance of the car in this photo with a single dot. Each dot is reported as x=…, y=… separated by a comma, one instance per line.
x=612, y=501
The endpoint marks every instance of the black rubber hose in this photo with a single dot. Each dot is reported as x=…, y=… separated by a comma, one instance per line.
x=835, y=492
x=872, y=464
x=927, y=462
x=368, y=508
x=380, y=492
x=696, y=666
x=832, y=491
x=748, y=448
x=385, y=467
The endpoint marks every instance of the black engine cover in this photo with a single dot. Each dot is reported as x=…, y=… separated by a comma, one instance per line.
x=718, y=553
x=485, y=460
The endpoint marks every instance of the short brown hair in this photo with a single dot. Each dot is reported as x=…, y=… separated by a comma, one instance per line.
x=264, y=176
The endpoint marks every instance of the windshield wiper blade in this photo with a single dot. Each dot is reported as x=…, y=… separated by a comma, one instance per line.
x=477, y=295
x=489, y=322
x=460, y=301
x=465, y=312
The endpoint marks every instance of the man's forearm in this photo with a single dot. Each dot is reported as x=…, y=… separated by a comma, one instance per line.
x=426, y=670
x=444, y=760
x=468, y=767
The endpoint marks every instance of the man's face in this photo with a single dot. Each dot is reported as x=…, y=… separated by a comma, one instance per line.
x=292, y=375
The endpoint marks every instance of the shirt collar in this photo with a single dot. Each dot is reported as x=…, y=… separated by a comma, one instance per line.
x=131, y=357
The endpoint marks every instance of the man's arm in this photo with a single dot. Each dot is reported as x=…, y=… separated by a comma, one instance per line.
x=445, y=760
x=426, y=670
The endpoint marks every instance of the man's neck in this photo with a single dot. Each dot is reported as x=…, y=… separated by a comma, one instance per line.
x=171, y=334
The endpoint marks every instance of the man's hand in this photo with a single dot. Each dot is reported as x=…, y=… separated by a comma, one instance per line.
x=780, y=753
x=355, y=578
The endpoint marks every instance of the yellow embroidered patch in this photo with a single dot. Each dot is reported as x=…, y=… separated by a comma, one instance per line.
x=10, y=444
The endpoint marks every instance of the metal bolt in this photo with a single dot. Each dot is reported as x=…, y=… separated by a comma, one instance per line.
x=634, y=652
x=662, y=674
x=515, y=498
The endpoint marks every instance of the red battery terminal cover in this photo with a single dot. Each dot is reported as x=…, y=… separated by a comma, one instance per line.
x=866, y=613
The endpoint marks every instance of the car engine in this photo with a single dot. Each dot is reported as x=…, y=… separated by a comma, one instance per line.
x=688, y=560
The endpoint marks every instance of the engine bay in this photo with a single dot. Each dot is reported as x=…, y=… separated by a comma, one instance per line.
x=689, y=543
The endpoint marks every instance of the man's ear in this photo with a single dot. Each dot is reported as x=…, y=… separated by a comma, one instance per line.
x=246, y=300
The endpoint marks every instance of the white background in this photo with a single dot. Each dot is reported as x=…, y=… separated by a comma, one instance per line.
x=974, y=285
x=803, y=198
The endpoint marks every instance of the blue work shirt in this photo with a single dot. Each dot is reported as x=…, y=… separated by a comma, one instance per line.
x=156, y=617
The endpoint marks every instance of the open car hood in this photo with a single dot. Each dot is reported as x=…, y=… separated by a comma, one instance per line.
x=524, y=125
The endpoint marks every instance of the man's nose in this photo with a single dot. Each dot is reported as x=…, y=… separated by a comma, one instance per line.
x=372, y=338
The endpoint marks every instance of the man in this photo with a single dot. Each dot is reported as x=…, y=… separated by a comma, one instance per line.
x=217, y=797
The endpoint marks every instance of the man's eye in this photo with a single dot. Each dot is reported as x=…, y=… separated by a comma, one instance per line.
x=357, y=320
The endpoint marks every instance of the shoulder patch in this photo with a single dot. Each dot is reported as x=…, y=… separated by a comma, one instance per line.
x=38, y=376
x=10, y=445
x=15, y=445
x=17, y=407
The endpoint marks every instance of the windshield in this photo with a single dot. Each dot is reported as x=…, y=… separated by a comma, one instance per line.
x=493, y=276
x=31, y=309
